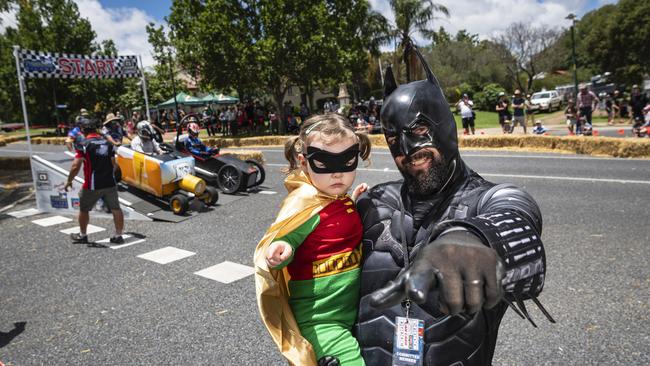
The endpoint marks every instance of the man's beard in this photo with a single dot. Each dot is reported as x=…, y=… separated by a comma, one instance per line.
x=429, y=181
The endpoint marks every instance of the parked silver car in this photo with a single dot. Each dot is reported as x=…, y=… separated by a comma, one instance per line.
x=549, y=100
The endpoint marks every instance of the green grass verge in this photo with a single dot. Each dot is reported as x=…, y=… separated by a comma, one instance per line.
x=483, y=119
x=32, y=132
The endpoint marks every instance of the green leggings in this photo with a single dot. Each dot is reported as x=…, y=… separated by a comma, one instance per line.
x=332, y=339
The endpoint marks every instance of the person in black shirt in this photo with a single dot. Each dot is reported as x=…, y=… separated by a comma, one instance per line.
x=638, y=101
x=518, y=105
x=98, y=160
x=504, y=114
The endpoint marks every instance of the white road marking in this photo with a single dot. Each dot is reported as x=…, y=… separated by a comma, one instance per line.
x=108, y=240
x=507, y=156
x=125, y=236
x=267, y=192
x=70, y=153
x=91, y=229
x=24, y=213
x=127, y=244
x=226, y=272
x=166, y=255
x=52, y=220
x=580, y=179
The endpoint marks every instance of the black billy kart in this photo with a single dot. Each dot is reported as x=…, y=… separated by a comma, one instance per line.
x=225, y=171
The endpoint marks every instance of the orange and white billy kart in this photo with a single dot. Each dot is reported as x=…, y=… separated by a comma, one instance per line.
x=168, y=177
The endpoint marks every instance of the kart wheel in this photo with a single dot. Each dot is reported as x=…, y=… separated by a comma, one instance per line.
x=179, y=204
x=211, y=196
x=229, y=179
x=260, y=171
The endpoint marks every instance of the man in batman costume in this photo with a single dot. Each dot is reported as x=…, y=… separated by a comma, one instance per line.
x=442, y=245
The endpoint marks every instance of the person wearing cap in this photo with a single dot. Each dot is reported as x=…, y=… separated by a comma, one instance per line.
x=571, y=114
x=539, y=128
x=98, y=160
x=530, y=109
x=465, y=107
x=504, y=113
x=587, y=102
x=518, y=107
x=638, y=101
x=112, y=130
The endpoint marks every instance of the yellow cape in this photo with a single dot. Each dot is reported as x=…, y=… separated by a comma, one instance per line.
x=303, y=202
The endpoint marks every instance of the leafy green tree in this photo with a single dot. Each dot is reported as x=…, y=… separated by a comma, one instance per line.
x=413, y=16
x=45, y=25
x=615, y=38
x=527, y=48
x=463, y=64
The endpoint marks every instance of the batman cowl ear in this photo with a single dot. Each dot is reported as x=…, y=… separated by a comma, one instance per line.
x=425, y=65
x=390, y=84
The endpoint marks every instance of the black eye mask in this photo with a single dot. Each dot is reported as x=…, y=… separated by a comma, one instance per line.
x=333, y=162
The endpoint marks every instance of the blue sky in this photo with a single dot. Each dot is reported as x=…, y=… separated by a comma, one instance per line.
x=124, y=21
x=156, y=8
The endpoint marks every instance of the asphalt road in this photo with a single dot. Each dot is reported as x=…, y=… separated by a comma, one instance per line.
x=95, y=306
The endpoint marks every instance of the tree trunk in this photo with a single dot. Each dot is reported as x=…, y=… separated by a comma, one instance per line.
x=310, y=97
x=278, y=97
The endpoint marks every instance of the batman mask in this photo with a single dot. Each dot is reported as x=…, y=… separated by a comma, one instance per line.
x=323, y=161
x=416, y=116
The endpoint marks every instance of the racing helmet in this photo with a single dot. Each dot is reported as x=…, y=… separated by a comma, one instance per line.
x=193, y=128
x=144, y=130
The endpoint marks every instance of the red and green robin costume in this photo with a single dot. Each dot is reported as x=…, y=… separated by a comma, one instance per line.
x=321, y=279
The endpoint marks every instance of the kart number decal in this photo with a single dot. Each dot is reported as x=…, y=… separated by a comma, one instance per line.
x=183, y=170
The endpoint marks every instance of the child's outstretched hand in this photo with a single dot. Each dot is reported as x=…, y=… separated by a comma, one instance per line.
x=278, y=252
x=358, y=190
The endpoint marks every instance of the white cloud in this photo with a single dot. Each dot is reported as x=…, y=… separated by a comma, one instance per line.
x=125, y=26
x=8, y=19
x=488, y=18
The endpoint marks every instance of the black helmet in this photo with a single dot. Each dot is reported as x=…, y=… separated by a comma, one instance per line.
x=87, y=124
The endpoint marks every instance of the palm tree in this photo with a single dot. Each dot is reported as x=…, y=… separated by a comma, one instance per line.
x=413, y=16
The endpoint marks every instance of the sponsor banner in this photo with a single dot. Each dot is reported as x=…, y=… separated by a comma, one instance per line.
x=35, y=64
x=51, y=197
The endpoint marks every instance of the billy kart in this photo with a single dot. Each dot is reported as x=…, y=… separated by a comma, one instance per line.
x=226, y=171
x=167, y=177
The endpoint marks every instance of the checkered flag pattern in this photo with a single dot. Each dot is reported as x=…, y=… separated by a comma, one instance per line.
x=35, y=64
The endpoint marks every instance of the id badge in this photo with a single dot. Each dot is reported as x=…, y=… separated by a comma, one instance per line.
x=408, y=344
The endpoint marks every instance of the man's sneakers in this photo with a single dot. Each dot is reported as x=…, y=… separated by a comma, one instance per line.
x=77, y=238
x=118, y=239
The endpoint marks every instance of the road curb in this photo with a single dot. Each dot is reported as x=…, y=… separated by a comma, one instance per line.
x=23, y=163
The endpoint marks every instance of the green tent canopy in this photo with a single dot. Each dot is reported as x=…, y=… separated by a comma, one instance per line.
x=219, y=99
x=182, y=99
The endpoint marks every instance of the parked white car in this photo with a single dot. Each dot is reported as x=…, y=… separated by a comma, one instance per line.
x=549, y=100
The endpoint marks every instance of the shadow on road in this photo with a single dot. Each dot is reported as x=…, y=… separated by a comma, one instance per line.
x=5, y=338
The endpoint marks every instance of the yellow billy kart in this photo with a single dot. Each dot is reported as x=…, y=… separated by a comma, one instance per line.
x=168, y=177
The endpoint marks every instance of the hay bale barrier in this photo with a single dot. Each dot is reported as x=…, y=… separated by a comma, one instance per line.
x=594, y=145
x=247, y=154
x=15, y=163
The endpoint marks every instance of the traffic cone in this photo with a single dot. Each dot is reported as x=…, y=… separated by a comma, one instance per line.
x=621, y=132
x=482, y=132
x=596, y=132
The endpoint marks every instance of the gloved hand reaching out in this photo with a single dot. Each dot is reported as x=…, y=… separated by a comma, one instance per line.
x=467, y=273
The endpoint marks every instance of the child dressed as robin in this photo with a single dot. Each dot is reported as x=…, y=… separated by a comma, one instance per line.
x=308, y=262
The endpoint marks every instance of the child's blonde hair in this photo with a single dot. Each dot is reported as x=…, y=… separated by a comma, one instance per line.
x=330, y=128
